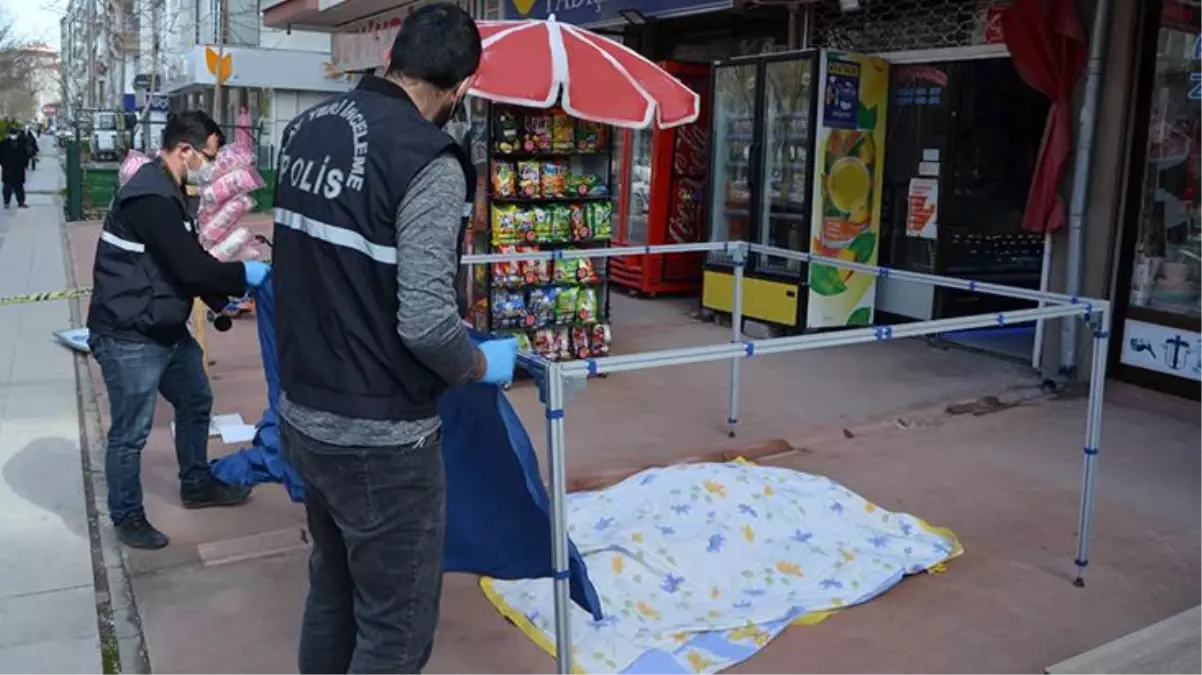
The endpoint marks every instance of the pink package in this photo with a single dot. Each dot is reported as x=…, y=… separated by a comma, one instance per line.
x=215, y=223
x=134, y=160
x=228, y=248
x=226, y=186
x=233, y=157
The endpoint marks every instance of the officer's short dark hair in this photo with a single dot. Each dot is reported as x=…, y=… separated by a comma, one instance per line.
x=438, y=44
x=194, y=128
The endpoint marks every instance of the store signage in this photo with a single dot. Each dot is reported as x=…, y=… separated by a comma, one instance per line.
x=994, y=33
x=361, y=45
x=1162, y=349
x=922, y=213
x=607, y=12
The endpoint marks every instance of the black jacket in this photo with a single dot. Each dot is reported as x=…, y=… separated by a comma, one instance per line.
x=14, y=158
x=344, y=169
x=150, y=266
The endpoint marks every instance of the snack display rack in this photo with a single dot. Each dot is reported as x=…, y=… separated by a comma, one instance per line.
x=548, y=189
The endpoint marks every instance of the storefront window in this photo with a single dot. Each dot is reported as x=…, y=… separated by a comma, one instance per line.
x=1168, y=257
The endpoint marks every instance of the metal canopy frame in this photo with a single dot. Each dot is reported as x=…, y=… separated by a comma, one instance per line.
x=563, y=379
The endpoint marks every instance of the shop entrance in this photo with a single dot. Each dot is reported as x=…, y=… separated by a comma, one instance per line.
x=963, y=137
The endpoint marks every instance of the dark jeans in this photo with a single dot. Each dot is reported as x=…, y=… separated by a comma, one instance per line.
x=377, y=519
x=11, y=189
x=135, y=373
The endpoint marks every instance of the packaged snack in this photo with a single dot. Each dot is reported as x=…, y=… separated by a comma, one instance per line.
x=586, y=304
x=228, y=248
x=540, y=310
x=578, y=224
x=524, y=221
x=228, y=185
x=233, y=156
x=507, y=132
x=508, y=309
x=542, y=223
x=523, y=341
x=585, y=272
x=534, y=271
x=565, y=271
x=506, y=274
x=600, y=218
x=599, y=336
x=563, y=344
x=538, y=133
x=215, y=224
x=528, y=179
x=565, y=304
x=554, y=179
x=563, y=133
x=580, y=342
x=504, y=180
x=504, y=224
x=544, y=343
x=590, y=136
x=561, y=222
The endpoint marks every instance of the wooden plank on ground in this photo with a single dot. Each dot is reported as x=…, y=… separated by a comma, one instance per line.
x=1171, y=646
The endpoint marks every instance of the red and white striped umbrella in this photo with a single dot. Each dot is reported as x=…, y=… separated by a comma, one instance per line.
x=537, y=63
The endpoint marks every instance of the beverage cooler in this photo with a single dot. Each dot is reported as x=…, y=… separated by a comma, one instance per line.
x=797, y=145
x=962, y=144
x=662, y=175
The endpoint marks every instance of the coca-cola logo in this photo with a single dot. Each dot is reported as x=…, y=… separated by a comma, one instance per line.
x=922, y=74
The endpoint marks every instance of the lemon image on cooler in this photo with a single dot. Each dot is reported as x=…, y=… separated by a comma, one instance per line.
x=848, y=185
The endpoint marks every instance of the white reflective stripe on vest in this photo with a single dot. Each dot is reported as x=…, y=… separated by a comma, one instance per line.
x=338, y=236
x=123, y=244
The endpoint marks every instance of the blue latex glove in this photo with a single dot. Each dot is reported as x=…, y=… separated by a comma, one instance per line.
x=256, y=272
x=501, y=356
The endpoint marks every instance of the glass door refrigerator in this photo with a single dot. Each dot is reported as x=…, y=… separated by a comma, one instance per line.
x=661, y=198
x=796, y=154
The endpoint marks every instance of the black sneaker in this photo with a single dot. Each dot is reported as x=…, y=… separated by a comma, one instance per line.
x=214, y=494
x=137, y=532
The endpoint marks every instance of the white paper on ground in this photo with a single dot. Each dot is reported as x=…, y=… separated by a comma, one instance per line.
x=218, y=422
x=241, y=433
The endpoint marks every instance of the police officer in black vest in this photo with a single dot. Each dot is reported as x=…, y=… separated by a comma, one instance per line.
x=369, y=203
x=149, y=268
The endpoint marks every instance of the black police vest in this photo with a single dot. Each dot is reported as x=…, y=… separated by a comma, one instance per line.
x=132, y=298
x=344, y=169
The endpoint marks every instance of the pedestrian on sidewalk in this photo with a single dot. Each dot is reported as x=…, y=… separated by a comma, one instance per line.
x=149, y=269
x=31, y=141
x=364, y=267
x=14, y=158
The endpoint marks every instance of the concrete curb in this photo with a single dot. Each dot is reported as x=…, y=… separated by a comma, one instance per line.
x=123, y=646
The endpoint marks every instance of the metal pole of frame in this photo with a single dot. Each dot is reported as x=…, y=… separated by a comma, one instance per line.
x=556, y=400
x=1093, y=436
x=736, y=336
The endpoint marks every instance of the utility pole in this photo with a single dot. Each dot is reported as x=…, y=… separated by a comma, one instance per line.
x=222, y=35
x=91, y=47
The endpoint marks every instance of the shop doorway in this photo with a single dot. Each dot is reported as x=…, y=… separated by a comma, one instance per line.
x=962, y=141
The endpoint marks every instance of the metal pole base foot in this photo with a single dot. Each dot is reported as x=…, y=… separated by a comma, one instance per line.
x=731, y=433
x=1079, y=582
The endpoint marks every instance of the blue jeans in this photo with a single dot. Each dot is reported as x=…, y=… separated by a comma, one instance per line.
x=135, y=373
x=377, y=520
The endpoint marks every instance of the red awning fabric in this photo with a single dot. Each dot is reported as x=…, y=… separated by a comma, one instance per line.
x=1049, y=50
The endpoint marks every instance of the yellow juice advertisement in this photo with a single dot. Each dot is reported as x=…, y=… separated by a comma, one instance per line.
x=848, y=180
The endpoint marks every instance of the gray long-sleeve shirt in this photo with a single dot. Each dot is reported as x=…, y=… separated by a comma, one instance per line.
x=427, y=233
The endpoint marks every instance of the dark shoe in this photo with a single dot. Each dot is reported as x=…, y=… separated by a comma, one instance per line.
x=22, y=206
x=214, y=494
x=137, y=532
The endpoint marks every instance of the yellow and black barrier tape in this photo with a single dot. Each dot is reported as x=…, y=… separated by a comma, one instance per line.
x=30, y=298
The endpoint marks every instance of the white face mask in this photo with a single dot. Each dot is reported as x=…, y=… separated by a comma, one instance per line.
x=200, y=176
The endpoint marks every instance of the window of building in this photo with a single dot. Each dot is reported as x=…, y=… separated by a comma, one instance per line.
x=1168, y=257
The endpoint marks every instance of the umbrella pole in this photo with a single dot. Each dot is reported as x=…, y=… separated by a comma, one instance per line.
x=559, y=530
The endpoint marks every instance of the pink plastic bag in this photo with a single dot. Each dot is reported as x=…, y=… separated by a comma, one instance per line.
x=227, y=186
x=134, y=160
x=232, y=157
x=215, y=224
x=231, y=245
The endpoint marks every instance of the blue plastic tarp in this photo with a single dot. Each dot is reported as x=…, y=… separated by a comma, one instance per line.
x=498, y=515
